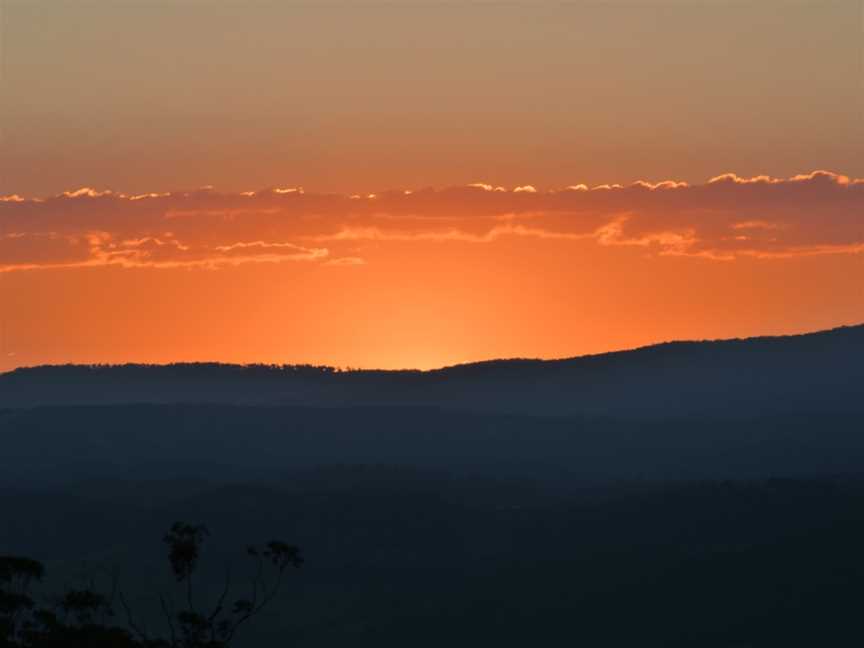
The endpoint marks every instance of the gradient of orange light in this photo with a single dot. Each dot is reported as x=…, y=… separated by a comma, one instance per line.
x=422, y=304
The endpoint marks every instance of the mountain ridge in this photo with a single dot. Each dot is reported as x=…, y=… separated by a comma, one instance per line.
x=656, y=346
x=822, y=371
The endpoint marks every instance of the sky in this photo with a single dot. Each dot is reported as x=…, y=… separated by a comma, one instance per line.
x=417, y=184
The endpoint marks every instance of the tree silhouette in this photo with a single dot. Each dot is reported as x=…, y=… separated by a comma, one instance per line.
x=80, y=617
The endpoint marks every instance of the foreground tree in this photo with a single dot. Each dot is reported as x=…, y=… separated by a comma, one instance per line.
x=85, y=617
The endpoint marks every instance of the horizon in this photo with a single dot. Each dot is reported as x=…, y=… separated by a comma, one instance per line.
x=349, y=369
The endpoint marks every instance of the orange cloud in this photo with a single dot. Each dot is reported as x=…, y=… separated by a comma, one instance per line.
x=95, y=249
x=727, y=217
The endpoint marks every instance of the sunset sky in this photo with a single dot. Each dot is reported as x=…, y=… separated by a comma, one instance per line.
x=417, y=184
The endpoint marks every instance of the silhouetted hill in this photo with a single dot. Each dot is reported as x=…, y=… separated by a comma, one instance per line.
x=512, y=502
x=731, y=378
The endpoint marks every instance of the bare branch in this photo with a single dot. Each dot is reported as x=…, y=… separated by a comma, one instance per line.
x=131, y=622
x=211, y=620
x=169, y=619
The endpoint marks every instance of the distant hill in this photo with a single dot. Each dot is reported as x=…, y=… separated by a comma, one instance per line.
x=228, y=443
x=821, y=371
x=707, y=493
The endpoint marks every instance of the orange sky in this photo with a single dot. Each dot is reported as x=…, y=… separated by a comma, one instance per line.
x=418, y=183
x=426, y=278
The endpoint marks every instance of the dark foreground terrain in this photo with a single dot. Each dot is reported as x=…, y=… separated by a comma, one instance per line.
x=396, y=557
x=704, y=494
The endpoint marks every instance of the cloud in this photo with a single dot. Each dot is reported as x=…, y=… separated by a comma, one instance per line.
x=346, y=261
x=451, y=234
x=725, y=218
x=53, y=251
